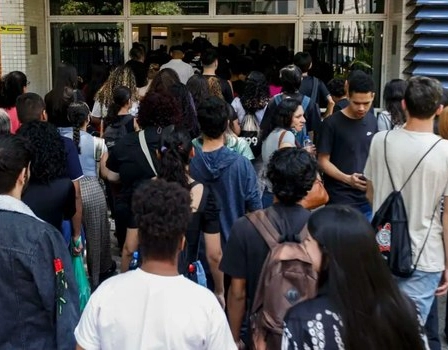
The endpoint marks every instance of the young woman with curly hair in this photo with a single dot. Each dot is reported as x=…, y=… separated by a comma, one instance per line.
x=12, y=85
x=121, y=76
x=127, y=162
x=93, y=154
x=167, y=81
x=50, y=193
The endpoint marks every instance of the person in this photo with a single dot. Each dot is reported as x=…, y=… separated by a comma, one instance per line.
x=198, y=87
x=12, y=85
x=120, y=76
x=358, y=305
x=422, y=194
x=164, y=310
x=209, y=59
x=5, y=122
x=175, y=153
x=230, y=175
x=183, y=70
x=322, y=96
x=93, y=154
x=38, y=293
x=137, y=65
x=31, y=107
x=292, y=172
x=50, y=193
x=393, y=116
x=167, y=82
x=289, y=116
x=128, y=164
x=291, y=79
x=349, y=130
x=338, y=93
x=65, y=91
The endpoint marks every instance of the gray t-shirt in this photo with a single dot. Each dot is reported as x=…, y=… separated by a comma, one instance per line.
x=270, y=145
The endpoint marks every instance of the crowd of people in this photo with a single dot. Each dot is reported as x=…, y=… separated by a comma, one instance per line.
x=207, y=166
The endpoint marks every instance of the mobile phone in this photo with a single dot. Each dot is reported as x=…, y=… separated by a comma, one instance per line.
x=362, y=177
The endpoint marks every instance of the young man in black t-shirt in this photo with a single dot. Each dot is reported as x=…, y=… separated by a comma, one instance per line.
x=292, y=173
x=344, y=145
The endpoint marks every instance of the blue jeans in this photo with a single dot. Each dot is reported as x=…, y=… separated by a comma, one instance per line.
x=366, y=209
x=420, y=287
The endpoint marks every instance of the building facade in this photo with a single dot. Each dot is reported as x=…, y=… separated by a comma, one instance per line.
x=383, y=35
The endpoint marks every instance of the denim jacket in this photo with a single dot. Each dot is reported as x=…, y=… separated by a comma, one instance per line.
x=39, y=309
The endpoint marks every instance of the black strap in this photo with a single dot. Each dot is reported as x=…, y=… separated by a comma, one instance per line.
x=415, y=168
x=313, y=96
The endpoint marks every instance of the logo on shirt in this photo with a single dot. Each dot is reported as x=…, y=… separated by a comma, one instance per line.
x=369, y=133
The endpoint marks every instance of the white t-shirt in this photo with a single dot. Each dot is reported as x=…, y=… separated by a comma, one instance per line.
x=422, y=193
x=100, y=111
x=138, y=310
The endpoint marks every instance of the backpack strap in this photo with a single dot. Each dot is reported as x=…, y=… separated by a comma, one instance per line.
x=415, y=168
x=145, y=149
x=278, y=98
x=280, y=139
x=315, y=85
x=264, y=226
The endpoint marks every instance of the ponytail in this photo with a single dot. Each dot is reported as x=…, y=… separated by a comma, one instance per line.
x=112, y=114
x=77, y=114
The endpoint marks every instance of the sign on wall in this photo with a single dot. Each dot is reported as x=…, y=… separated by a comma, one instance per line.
x=12, y=29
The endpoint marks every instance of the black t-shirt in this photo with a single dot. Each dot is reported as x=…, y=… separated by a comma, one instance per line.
x=306, y=88
x=347, y=141
x=246, y=250
x=51, y=202
x=128, y=160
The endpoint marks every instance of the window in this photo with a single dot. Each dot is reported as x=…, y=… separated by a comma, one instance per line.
x=169, y=8
x=256, y=7
x=79, y=8
x=344, y=6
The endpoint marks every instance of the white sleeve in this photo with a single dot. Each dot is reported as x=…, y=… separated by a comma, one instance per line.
x=97, y=111
x=87, y=332
x=219, y=334
x=238, y=107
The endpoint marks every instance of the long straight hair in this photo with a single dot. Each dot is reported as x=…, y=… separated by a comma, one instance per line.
x=375, y=314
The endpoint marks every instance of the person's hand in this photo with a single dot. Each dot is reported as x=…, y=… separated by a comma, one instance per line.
x=77, y=246
x=358, y=181
x=221, y=299
x=310, y=149
x=443, y=285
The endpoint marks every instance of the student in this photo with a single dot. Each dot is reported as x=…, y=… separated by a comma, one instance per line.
x=358, y=305
x=154, y=306
x=393, y=117
x=38, y=295
x=292, y=172
x=12, y=85
x=344, y=144
x=405, y=147
x=183, y=70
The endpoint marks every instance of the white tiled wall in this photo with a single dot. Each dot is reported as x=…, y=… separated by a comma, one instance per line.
x=15, y=48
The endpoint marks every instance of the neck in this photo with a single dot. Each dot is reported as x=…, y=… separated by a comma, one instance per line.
x=349, y=114
x=210, y=145
x=160, y=267
x=123, y=110
x=16, y=192
x=209, y=71
x=419, y=125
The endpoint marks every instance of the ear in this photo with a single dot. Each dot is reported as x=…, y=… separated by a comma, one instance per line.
x=44, y=116
x=192, y=153
x=183, y=243
x=403, y=105
x=440, y=109
x=373, y=96
x=159, y=156
x=23, y=176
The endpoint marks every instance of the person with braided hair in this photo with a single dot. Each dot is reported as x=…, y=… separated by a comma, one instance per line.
x=92, y=152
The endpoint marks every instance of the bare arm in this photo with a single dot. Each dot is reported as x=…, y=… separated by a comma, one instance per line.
x=369, y=193
x=103, y=167
x=353, y=180
x=77, y=218
x=443, y=287
x=113, y=176
x=78, y=347
x=330, y=106
x=130, y=246
x=236, y=306
x=214, y=255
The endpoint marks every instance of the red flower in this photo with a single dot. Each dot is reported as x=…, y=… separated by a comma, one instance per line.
x=58, y=266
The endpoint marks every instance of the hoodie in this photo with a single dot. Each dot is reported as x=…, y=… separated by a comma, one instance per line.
x=233, y=180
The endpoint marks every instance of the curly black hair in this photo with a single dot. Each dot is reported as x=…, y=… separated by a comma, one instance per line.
x=256, y=92
x=292, y=172
x=162, y=212
x=175, y=148
x=49, y=159
x=159, y=110
x=198, y=87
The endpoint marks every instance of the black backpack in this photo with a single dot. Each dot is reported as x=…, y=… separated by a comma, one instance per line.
x=391, y=227
x=116, y=131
